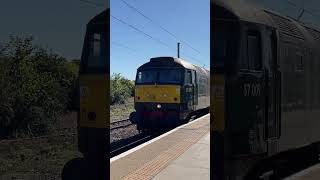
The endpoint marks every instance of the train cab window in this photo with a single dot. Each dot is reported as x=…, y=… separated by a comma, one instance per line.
x=139, y=76
x=146, y=76
x=224, y=44
x=221, y=48
x=94, y=57
x=169, y=76
x=254, y=51
x=162, y=76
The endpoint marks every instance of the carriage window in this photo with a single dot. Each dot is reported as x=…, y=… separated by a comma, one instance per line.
x=193, y=77
x=299, y=63
x=202, y=85
x=254, y=51
x=189, y=77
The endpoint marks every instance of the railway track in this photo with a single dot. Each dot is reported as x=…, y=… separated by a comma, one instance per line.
x=120, y=124
x=124, y=145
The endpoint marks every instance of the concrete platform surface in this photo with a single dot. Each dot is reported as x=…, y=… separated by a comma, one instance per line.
x=182, y=153
x=194, y=164
x=311, y=173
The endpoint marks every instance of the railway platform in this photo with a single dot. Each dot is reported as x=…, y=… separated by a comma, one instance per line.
x=311, y=173
x=182, y=153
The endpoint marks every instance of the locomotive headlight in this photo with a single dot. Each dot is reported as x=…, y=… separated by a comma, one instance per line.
x=159, y=106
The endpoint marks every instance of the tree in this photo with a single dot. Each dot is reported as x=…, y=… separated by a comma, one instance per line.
x=120, y=88
x=36, y=86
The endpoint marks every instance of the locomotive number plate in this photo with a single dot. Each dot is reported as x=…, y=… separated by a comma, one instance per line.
x=251, y=89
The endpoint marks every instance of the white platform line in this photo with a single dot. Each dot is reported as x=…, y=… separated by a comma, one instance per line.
x=153, y=140
x=303, y=172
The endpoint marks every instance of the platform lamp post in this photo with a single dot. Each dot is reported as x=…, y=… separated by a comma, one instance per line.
x=178, y=46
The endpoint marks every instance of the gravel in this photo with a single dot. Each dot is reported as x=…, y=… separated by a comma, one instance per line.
x=123, y=133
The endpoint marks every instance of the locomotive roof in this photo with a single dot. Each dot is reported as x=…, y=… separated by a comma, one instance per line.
x=102, y=17
x=244, y=11
x=178, y=61
x=251, y=13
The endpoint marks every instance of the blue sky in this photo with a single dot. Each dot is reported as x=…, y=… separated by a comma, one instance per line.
x=61, y=24
x=57, y=24
x=189, y=20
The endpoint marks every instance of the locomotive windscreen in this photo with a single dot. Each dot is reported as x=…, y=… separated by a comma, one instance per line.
x=159, y=76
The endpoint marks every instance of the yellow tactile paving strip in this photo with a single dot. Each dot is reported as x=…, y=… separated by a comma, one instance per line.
x=172, y=145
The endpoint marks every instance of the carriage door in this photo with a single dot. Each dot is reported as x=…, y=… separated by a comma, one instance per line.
x=273, y=92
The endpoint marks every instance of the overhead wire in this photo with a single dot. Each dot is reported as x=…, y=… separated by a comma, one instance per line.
x=161, y=27
x=151, y=37
x=123, y=46
x=132, y=51
x=142, y=32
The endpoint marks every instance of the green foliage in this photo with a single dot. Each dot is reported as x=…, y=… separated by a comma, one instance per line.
x=36, y=86
x=120, y=88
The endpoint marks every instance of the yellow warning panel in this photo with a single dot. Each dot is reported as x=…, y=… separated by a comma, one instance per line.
x=94, y=99
x=157, y=93
x=218, y=102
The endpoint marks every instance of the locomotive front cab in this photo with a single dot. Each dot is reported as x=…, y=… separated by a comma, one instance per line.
x=94, y=83
x=224, y=56
x=164, y=93
x=93, y=112
x=225, y=30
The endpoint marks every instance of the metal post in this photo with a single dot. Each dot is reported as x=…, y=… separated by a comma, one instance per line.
x=178, y=50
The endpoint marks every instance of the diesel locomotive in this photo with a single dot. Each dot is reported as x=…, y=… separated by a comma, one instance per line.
x=93, y=110
x=265, y=89
x=168, y=91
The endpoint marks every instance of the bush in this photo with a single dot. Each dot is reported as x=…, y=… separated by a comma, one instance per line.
x=36, y=86
x=120, y=88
